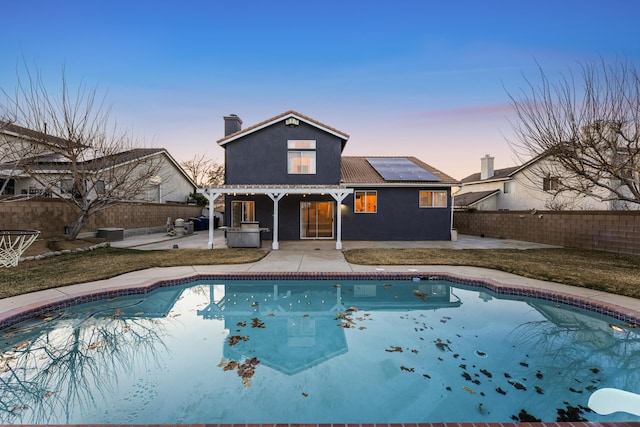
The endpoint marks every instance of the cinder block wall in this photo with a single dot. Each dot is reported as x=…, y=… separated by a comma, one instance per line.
x=611, y=231
x=50, y=216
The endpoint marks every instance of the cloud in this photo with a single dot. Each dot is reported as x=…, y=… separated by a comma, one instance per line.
x=477, y=110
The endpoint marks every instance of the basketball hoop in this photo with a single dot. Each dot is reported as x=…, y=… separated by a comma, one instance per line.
x=13, y=243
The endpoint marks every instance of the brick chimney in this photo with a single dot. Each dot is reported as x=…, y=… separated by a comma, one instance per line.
x=232, y=124
x=486, y=167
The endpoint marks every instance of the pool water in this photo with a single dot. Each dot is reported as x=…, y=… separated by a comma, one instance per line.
x=314, y=352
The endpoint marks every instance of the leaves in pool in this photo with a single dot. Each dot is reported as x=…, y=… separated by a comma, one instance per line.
x=235, y=339
x=245, y=370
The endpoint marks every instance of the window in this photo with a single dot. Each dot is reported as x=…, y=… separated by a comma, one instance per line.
x=301, y=157
x=508, y=187
x=301, y=144
x=550, y=183
x=366, y=201
x=433, y=199
x=10, y=187
x=66, y=186
x=242, y=211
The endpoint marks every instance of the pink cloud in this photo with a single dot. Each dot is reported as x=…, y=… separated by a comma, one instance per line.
x=477, y=110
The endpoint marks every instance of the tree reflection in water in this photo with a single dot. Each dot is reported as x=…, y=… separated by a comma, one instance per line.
x=469, y=354
x=51, y=371
x=571, y=343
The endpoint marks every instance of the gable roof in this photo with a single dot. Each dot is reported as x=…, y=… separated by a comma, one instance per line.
x=498, y=174
x=505, y=173
x=282, y=117
x=469, y=199
x=35, y=136
x=357, y=170
x=58, y=163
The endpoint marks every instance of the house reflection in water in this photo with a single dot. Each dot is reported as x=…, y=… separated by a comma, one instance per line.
x=300, y=318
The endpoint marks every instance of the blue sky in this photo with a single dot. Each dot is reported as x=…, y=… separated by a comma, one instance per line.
x=423, y=78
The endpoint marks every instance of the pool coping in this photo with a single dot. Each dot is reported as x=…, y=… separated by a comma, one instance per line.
x=78, y=294
x=60, y=301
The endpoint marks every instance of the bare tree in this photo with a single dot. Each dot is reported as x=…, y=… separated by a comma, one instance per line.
x=585, y=127
x=204, y=171
x=81, y=156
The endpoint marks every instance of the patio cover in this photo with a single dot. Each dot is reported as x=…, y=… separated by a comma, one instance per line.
x=275, y=193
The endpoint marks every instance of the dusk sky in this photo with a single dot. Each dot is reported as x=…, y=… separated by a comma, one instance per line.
x=423, y=78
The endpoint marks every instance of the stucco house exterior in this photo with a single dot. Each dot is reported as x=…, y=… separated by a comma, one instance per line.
x=288, y=175
x=521, y=188
x=52, y=176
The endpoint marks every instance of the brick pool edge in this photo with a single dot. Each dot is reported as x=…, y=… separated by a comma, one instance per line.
x=25, y=312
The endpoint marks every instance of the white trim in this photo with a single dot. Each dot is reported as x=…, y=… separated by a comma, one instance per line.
x=432, y=199
x=365, y=211
x=249, y=131
x=333, y=219
x=275, y=193
x=398, y=185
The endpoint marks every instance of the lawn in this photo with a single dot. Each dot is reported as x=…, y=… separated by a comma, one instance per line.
x=604, y=271
x=30, y=276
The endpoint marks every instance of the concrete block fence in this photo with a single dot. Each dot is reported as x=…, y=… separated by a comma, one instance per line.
x=612, y=231
x=50, y=216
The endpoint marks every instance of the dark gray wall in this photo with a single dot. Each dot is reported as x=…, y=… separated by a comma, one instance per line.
x=398, y=218
x=288, y=212
x=261, y=156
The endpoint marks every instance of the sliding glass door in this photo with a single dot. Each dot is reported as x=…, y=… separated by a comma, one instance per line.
x=316, y=220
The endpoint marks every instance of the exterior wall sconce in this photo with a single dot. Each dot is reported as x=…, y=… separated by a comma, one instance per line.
x=291, y=122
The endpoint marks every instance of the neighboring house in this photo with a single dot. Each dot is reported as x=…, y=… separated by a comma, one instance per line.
x=288, y=174
x=520, y=188
x=171, y=184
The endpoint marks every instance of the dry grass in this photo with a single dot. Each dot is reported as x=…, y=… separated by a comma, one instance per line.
x=104, y=263
x=610, y=272
x=615, y=273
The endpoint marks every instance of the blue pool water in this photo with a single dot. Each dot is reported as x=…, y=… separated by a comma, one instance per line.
x=313, y=352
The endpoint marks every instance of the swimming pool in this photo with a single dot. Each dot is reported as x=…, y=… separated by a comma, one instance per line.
x=337, y=350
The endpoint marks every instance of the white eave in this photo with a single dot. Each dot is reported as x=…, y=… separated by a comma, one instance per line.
x=250, y=130
x=399, y=184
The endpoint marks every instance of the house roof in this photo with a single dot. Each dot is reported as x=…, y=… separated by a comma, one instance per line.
x=53, y=162
x=279, y=118
x=497, y=175
x=501, y=174
x=35, y=136
x=469, y=199
x=357, y=170
x=59, y=162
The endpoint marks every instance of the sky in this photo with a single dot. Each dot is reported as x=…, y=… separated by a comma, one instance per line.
x=426, y=78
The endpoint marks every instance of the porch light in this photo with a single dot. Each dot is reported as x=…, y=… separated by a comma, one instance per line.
x=292, y=122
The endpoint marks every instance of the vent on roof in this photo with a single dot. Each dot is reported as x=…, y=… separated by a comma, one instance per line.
x=400, y=169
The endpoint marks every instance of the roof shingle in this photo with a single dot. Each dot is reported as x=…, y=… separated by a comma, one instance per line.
x=357, y=170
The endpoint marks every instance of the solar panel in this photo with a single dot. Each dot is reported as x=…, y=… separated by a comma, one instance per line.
x=400, y=169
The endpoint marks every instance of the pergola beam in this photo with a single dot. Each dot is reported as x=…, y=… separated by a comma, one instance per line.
x=276, y=193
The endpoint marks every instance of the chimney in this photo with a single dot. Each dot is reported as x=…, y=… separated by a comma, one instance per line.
x=486, y=167
x=232, y=124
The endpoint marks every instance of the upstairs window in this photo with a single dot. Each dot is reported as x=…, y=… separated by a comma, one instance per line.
x=433, y=199
x=508, y=187
x=366, y=201
x=301, y=156
x=550, y=183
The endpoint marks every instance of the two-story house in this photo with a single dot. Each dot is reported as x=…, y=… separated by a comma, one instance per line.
x=288, y=174
x=530, y=186
x=33, y=164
